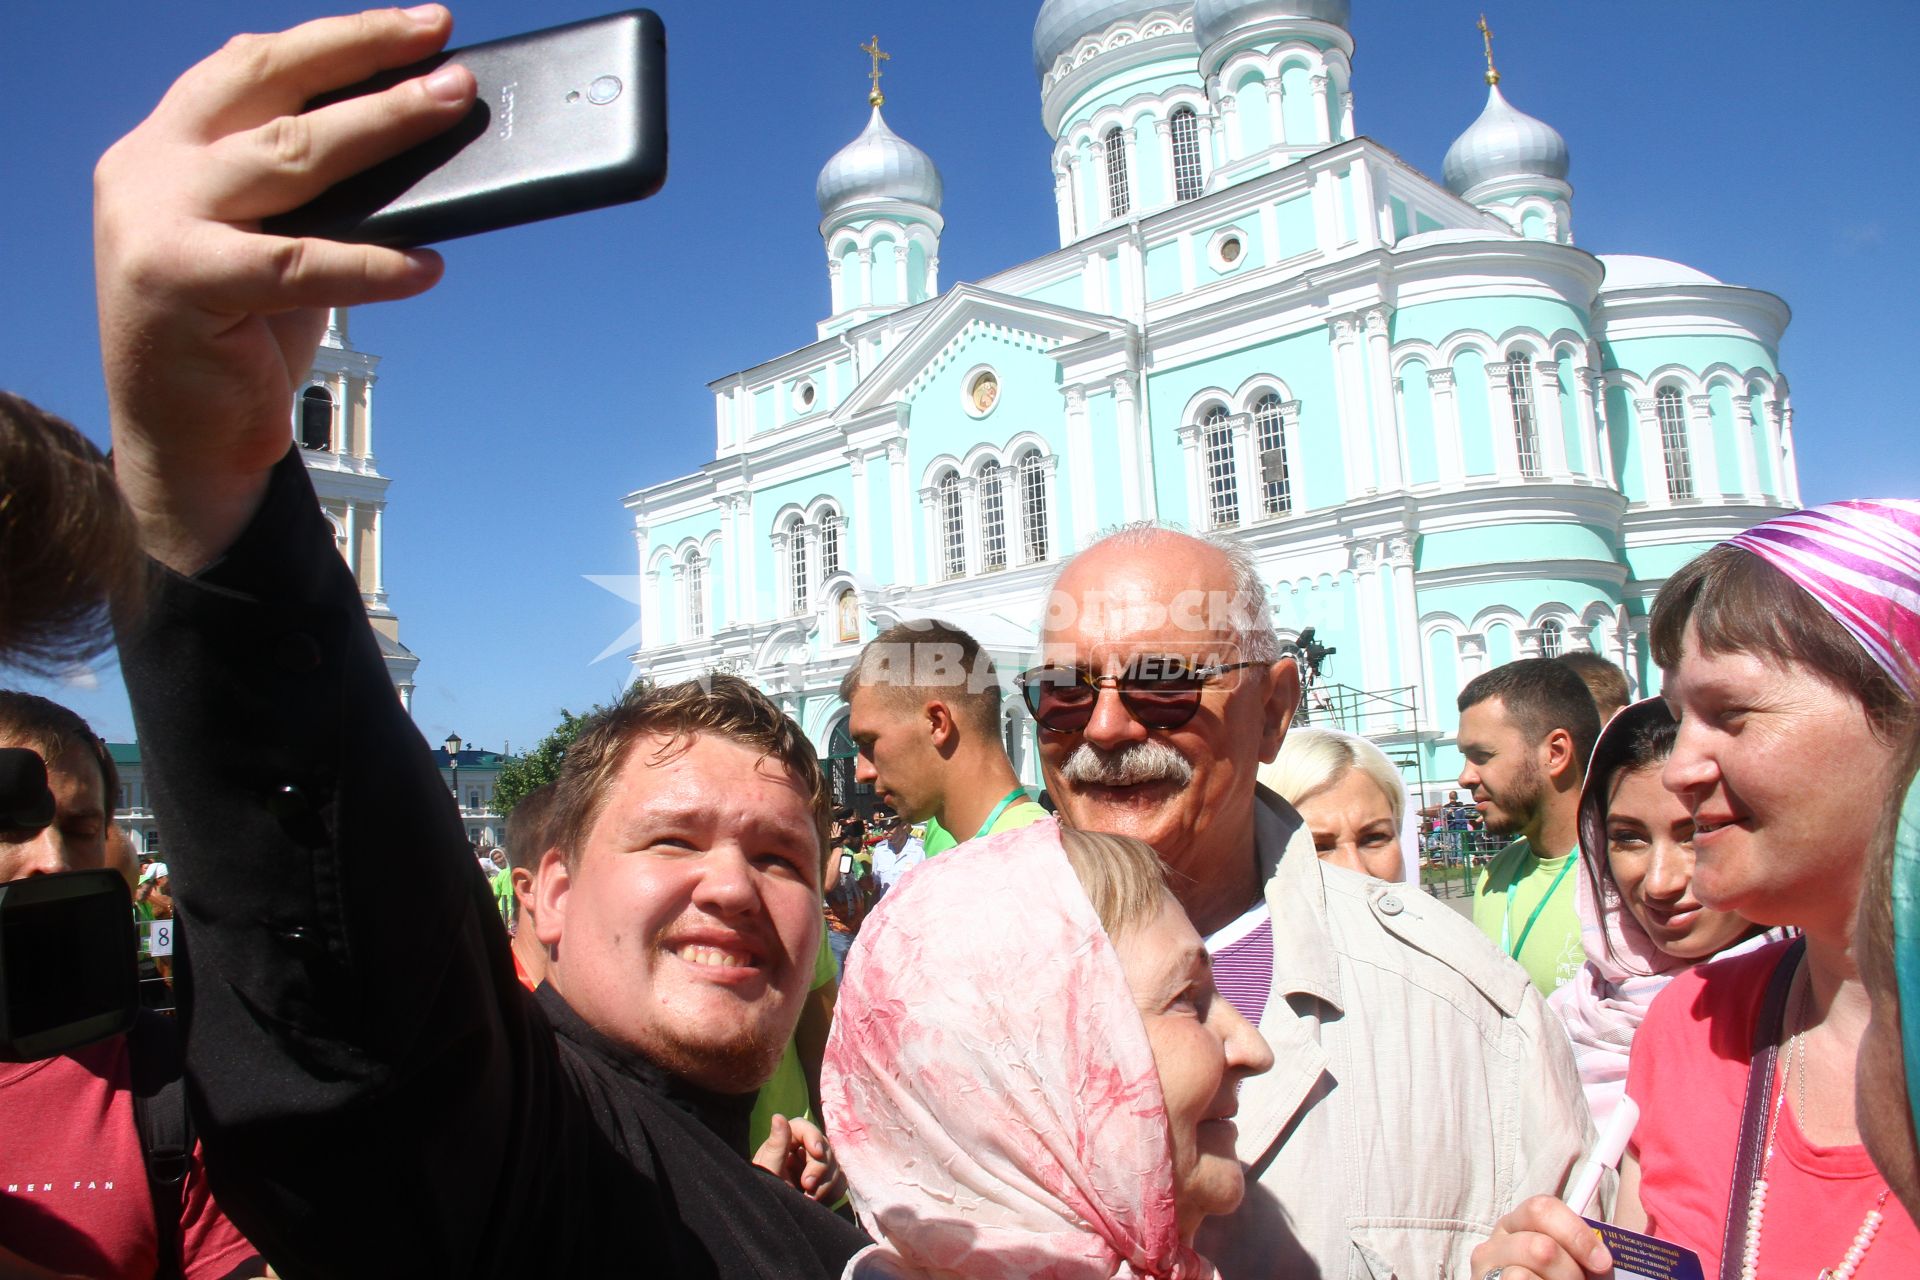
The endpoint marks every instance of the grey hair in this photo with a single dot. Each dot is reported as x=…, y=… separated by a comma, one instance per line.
x=1253, y=615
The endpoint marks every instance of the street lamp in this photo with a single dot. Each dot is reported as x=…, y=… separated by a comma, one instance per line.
x=452, y=746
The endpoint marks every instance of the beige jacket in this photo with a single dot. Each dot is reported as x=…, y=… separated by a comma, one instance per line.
x=1420, y=1088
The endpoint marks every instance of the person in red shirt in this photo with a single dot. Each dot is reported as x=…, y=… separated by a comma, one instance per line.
x=74, y=1194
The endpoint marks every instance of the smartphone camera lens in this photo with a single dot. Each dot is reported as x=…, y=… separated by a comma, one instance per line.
x=604, y=90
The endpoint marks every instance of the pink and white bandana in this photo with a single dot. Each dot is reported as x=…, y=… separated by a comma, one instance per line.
x=988, y=1084
x=1861, y=560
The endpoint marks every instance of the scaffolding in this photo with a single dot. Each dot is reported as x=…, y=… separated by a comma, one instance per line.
x=1390, y=718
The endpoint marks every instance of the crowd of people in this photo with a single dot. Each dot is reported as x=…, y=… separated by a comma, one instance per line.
x=1187, y=1018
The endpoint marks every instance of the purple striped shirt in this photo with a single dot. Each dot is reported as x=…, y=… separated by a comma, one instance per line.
x=1243, y=969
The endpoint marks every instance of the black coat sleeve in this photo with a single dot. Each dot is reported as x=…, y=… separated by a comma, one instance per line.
x=363, y=1064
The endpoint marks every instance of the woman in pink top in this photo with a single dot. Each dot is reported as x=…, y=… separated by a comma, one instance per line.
x=1783, y=654
x=1030, y=1073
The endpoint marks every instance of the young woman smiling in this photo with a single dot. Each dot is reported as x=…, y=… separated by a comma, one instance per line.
x=1641, y=922
x=1784, y=651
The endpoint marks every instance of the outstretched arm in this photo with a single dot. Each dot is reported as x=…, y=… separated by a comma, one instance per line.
x=207, y=325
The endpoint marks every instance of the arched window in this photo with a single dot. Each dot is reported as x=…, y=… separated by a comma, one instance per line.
x=1223, y=480
x=1033, y=506
x=1553, y=639
x=1184, y=128
x=1671, y=410
x=696, y=596
x=993, y=518
x=797, y=567
x=1118, y=194
x=1526, y=431
x=316, y=419
x=829, y=544
x=953, y=528
x=1276, y=482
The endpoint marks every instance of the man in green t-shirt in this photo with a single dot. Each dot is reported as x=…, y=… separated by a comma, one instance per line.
x=924, y=712
x=1526, y=730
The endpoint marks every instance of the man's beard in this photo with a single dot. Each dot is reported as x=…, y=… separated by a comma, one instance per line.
x=1133, y=765
x=1520, y=804
x=741, y=1063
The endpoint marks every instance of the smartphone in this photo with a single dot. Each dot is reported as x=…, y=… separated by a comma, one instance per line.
x=69, y=963
x=567, y=119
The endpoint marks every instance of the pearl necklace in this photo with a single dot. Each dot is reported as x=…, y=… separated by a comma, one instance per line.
x=1757, y=1200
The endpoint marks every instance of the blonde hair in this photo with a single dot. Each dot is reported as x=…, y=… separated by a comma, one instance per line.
x=1123, y=877
x=1312, y=760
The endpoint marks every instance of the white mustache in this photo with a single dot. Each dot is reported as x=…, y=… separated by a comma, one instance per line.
x=1130, y=766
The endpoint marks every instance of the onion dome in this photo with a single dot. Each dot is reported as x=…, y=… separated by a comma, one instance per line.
x=1063, y=23
x=1504, y=143
x=878, y=165
x=1213, y=19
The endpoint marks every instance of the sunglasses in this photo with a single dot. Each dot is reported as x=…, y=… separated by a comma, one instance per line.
x=1159, y=692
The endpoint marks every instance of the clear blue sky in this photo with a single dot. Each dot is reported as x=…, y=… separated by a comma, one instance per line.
x=558, y=367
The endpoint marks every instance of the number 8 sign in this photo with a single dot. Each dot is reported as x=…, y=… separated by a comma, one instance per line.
x=160, y=938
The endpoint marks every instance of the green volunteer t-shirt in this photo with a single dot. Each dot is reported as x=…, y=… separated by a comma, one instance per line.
x=1021, y=813
x=785, y=1094
x=1550, y=951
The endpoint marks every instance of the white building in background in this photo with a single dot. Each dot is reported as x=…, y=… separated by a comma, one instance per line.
x=333, y=424
x=1450, y=436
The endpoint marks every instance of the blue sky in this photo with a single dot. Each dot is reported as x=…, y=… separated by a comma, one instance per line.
x=558, y=367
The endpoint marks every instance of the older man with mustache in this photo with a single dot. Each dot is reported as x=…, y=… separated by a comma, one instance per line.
x=1421, y=1086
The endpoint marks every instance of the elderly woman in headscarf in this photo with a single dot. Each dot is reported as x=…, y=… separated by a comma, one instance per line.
x=1640, y=920
x=1887, y=946
x=1784, y=656
x=1030, y=1072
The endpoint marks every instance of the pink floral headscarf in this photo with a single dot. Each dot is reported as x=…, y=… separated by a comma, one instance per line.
x=988, y=1085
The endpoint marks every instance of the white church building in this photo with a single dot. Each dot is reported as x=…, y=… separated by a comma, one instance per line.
x=1449, y=435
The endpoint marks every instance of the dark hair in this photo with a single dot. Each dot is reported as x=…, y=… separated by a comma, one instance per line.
x=1604, y=680
x=926, y=660
x=529, y=827
x=70, y=559
x=723, y=705
x=1875, y=923
x=1735, y=602
x=51, y=729
x=1541, y=695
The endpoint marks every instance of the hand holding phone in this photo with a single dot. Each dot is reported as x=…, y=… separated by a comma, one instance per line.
x=566, y=119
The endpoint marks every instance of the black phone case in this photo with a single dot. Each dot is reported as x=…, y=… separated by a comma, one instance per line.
x=567, y=119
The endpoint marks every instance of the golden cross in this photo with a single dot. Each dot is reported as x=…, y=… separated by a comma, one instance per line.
x=872, y=50
x=1486, y=36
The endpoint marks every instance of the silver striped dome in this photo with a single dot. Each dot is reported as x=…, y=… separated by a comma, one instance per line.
x=878, y=165
x=1504, y=143
x=1062, y=23
x=1213, y=19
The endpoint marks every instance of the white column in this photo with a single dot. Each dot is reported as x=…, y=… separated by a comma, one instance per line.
x=1320, y=116
x=353, y=542
x=1128, y=430
x=682, y=630
x=1328, y=227
x=1230, y=124
x=1386, y=423
x=833, y=284
x=1366, y=214
x=649, y=609
x=862, y=513
x=782, y=574
x=1743, y=441
x=1548, y=418
x=1130, y=145
x=1142, y=412
x=1446, y=428
x=970, y=518
x=933, y=272
x=1363, y=560
x=749, y=560
x=1350, y=404
x=1080, y=467
x=379, y=569
x=1413, y=654
x=1706, y=450
x=1063, y=198
x=1472, y=649
x=1789, y=459
x=863, y=290
x=1246, y=469
x=1585, y=389
x=900, y=536
x=1653, y=463
x=1208, y=161
x=366, y=420
x=1346, y=114
x=902, y=294
x=1198, y=517
x=933, y=522
x=1276, y=118
x=1506, y=450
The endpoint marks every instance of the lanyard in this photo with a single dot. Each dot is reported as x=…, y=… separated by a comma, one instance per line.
x=1018, y=793
x=1506, y=918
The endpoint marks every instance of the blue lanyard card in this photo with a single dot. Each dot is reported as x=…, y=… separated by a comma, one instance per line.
x=1638, y=1257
